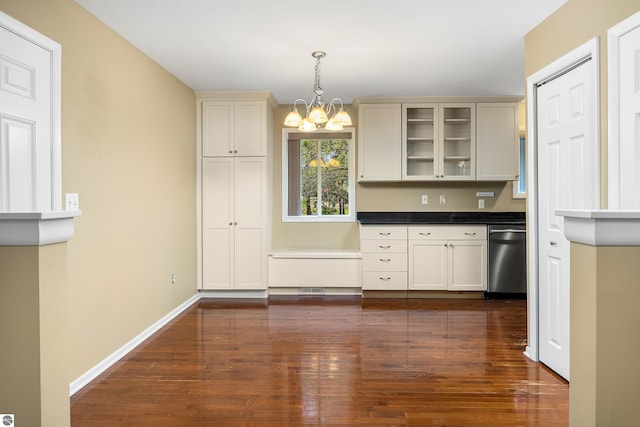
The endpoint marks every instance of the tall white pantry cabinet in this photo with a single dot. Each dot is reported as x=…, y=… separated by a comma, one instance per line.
x=235, y=140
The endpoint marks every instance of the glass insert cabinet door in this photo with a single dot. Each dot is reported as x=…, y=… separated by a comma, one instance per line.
x=420, y=141
x=458, y=141
x=438, y=142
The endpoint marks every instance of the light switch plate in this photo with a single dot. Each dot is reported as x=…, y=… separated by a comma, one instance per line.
x=71, y=202
x=443, y=199
x=425, y=199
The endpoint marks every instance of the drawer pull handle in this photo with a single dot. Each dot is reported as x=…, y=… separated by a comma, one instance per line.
x=384, y=246
x=425, y=234
x=385, y=279
x=384, y=234
x=470, y=234
x=385, y=259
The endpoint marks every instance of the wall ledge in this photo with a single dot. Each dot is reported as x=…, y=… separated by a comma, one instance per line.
x=602, y=227
x=36, y=228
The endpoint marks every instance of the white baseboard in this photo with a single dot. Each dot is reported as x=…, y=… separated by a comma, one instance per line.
x=98, y=369
x=204, y=293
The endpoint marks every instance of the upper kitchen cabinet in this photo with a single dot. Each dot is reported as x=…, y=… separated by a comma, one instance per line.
x=438, y=142
x=379, y=142
x=458, y=139
x=463, y=140
x=498, y=151
x=420, y=142
x=234, y=128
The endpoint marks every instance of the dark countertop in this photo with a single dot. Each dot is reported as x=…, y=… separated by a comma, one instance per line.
x=441, y=217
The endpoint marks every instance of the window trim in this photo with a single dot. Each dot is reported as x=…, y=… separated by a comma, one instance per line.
x=351, y=217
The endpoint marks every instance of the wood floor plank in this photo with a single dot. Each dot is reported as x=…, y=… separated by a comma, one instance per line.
x=331, y=361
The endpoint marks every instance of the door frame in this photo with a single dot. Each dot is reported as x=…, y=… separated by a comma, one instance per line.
x=590, y=49
x=55, y=64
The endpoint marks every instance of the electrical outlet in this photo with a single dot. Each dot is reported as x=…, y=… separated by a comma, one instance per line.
x=480, y=203
x=71, y=202
x=173, y=278
x=425, y=199
x=443, y=199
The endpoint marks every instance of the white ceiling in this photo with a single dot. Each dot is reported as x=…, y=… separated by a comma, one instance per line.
x=374, y=47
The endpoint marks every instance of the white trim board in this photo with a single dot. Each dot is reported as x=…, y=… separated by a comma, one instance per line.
x=590, y=49
x=98, y=369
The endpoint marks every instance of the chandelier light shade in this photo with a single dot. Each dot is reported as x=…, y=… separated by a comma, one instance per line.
x=317, y=113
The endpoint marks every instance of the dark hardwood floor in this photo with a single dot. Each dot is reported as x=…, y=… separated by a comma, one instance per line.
x=331, y=361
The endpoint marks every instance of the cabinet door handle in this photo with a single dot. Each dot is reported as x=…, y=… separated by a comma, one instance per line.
x=384, y=246
x=230, y=223
x=235, y=223
x=470, y=234
x=446, y=246
x=235, y=151
x=385, y=259
x=384, y=234
x=425, y=234
x=385, y=279
x=553, y=243
x=230, y=151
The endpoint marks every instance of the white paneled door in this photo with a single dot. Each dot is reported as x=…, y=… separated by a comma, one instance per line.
x=624, y=92
x=567, y=179
x=25, y=125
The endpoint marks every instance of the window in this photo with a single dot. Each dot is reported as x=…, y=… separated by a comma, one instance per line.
x=318, y=171
x=520, y=186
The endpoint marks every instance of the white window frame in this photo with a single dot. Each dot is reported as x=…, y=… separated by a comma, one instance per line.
x=351, y=217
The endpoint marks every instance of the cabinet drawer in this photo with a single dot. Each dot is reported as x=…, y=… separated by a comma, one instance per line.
x=448, y=232
x=384, y=281
x=384, y=246
x=387, y=232
x=384, y=262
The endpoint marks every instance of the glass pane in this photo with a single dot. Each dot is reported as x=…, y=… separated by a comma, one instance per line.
x=335, y=176
x=309, y=177
x=294, y=198
x=522, y=181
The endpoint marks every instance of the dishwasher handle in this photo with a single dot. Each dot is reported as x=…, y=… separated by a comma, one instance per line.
x=507, y=231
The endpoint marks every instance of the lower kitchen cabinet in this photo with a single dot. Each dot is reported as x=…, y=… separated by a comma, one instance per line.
x=451, y=258
x=384, y=257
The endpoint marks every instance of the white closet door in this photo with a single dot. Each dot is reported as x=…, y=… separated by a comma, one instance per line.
x=625, y=161
x=567, y=169
x=25, y=125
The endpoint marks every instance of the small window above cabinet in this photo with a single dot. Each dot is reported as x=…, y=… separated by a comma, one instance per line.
x=438, y=142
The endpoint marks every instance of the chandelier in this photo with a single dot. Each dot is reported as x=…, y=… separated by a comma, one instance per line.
x=317, y=112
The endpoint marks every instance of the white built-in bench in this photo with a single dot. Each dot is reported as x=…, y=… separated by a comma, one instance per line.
x=315, y=271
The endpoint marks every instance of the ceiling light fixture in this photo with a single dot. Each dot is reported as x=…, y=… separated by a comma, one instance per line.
x=316, y=113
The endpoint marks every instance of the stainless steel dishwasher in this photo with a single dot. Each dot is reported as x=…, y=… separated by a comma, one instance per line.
x=507, y=270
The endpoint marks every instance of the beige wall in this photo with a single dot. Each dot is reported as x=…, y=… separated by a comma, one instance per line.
x=20, y=332
x=128, y=135
x=378, y=197
x=605, y=376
